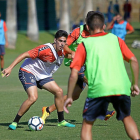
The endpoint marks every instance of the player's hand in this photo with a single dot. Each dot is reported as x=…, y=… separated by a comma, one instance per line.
x=6, y=72
x=67, y=103
x=72, y=54
x=135, y=90
x=115, y=18
x=6, y=44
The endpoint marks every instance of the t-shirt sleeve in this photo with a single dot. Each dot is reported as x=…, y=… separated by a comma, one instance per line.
x=73, y=36
x=80, y=57
x=126, y=53
x=129, y=27
x=4, y=26
x=34, y=53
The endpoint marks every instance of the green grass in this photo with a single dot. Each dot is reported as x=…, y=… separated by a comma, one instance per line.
x=12, y=95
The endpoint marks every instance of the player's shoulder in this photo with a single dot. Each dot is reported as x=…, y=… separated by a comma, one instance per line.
x=75, y=30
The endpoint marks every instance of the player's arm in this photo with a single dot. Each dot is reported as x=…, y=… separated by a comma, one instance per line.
x=75, y=66
x=129, y=28
x=72, y=37
x=110, y=25
x=8, y=70
x=129, y=57
x=135, y=76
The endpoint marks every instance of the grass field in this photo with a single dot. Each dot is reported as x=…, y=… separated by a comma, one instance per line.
x=12, y=95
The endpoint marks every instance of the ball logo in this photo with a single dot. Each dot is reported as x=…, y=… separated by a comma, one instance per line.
x=41, y=126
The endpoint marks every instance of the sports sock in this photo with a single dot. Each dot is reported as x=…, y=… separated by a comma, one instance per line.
x=60, y=116
x=47, y=109
x=1, y=69
x=17, y=118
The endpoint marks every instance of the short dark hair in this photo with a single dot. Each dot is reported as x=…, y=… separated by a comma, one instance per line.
x=61, y=33
x=89, y=14
x=96, y=21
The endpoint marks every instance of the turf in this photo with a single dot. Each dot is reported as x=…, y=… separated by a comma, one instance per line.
x=12, y=95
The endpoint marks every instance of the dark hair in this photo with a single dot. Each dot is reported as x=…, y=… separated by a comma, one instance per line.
x=61, y=33
x=118, y=14
x=96, y=21
x=89, y=14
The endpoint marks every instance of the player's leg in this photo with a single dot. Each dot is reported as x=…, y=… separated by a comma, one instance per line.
x=86, y=131
x=2, y=62
x=122, y=105
x=131, y=128
x=2, y=52
x=94, y=108
x=52, y=87
x=29, y=84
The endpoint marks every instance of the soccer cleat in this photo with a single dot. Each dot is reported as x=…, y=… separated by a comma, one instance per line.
x=13, y=126
x=109, y=114
x=45, y=114
x=66, y=124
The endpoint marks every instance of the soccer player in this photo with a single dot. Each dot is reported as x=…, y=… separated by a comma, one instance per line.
x=108, y=82
x=36, y=71
x=120, y=27
x=73, y=40
x=3, y=42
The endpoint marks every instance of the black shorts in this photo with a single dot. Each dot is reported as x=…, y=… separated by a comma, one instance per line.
x=95, y=108
x=81, y=75
x=28, y=80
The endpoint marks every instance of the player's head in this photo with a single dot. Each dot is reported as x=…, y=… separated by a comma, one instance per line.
x=88, y=15
x=118, y=17
x=95, y=21
x=60, y=39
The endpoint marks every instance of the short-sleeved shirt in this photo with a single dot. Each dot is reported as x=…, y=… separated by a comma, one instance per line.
x=74, y=35
x=43, y=61
x=4, y=26
x=79, y=61
x=128, y=26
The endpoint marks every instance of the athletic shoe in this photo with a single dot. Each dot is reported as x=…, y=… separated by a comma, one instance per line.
x=66, y=124
x=13, y=126
x=45, y=114
x=110, y=114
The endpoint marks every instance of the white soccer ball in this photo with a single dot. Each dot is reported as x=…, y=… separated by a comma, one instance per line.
x=35, y=123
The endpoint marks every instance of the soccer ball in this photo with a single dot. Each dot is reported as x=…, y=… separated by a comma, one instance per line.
x=35, y=123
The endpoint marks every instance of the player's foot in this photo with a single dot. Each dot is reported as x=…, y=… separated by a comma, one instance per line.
x=13, y=126
x=109, y=114
x=45, y=114
x=66, y=124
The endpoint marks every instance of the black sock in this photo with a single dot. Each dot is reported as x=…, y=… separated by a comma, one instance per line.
x=47, y=109
x=60, y=116
x=1, y=69
x=17, y=118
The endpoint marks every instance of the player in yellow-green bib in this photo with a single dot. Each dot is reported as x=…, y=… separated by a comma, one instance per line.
x=108, y=82
x=75, y=38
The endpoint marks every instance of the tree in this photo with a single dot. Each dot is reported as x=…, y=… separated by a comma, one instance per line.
x=64, y=15
x=32, y=27
x=88, y=7
x=11, y=21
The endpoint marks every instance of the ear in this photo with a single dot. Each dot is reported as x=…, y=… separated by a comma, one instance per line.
x=87, y=27
x=104, y=26
x=55, y=40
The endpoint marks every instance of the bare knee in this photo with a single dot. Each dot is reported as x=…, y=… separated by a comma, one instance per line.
x=33, y=99
x=1, y=57
x=59, y=93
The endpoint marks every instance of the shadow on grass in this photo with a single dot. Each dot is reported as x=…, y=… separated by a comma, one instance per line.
x=47, y=121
